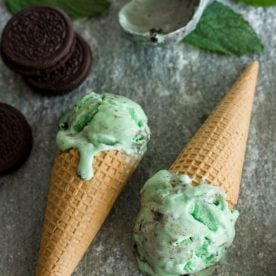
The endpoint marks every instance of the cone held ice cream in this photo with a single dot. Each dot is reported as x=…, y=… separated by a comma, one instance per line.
x=100, y=123
x=187, y=216
x=100, y=141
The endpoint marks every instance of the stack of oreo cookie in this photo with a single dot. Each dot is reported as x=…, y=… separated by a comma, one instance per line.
x=39, y=43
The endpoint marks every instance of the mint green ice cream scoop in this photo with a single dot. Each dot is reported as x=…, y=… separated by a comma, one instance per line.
x=102, y=122
x=181, y=228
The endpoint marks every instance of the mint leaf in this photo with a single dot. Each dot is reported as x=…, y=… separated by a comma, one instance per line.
x=75, y=8
x=262, y=3
x=222, y=30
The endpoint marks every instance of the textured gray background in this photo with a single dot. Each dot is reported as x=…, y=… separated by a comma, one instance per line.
x=177, y=86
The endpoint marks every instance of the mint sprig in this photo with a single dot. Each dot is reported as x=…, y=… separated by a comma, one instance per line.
x=222, y=30
x=260, y=3
x=75, y=8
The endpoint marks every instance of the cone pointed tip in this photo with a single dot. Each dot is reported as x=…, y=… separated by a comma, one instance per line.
x=255, y=62
x=248, y=78
x=253, y=67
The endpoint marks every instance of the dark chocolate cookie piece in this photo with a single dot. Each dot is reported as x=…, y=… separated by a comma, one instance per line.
x=15, y=138
x=24, y=71
x=68, y=76
x=37, y=38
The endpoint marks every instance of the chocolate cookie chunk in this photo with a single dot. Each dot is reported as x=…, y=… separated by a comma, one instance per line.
x=37, y=38
x=68, y=76
x=15, y=138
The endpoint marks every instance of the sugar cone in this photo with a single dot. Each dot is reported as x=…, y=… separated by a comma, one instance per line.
x=76, y=208
x=216, y=153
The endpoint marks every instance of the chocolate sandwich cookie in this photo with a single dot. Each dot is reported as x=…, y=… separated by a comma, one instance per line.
x=15, y=138
x=24, y=71
x=68, y=76
x=37, y=38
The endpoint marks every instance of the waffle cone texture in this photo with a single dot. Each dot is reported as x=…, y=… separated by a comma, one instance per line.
x=216, y=153
x=76, y=208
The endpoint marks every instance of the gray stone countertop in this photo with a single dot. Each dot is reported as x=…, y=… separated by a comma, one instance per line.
x=177, y=87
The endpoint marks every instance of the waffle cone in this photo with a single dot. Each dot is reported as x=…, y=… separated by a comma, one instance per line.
x=76, y=208
x=216, y=152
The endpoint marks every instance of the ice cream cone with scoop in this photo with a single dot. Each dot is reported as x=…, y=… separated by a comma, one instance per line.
x=101, y=141
x=187, y=216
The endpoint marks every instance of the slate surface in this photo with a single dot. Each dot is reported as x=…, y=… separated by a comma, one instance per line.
x=177, y=86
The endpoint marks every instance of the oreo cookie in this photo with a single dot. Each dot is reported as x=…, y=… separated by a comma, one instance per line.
x=15, y=138
x=37, y=38
x=33, y=71
x=40, y=44
x=67, y=76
